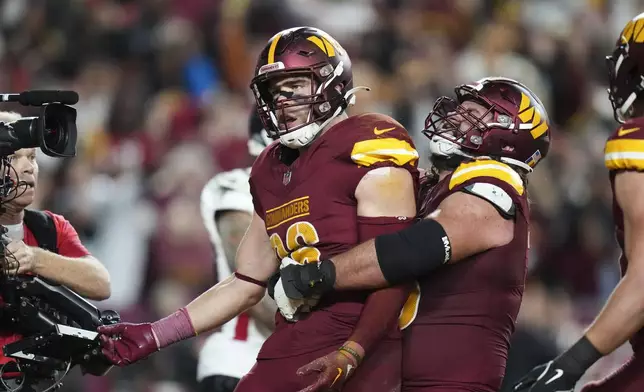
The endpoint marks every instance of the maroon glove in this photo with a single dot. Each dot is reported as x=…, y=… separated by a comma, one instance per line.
x=125, y=343
x=334, y=369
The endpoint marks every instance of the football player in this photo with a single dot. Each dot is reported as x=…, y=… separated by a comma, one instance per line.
x=468, y=252
x=622, y=318
x=226, y=210
x=331, y=181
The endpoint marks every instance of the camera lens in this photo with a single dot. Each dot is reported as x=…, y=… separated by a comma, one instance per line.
x=55, y=137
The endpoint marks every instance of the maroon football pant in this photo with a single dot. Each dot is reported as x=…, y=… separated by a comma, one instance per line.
x=628, y=378
x=380, y=372
x=452, y=358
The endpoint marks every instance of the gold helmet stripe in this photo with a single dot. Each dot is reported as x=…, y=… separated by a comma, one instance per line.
x=527, y=113
x=329, y=48
x=271, y=50
x=637, y=30
x=323, y=44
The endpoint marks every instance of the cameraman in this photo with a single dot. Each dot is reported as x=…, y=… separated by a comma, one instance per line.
x=44, y=243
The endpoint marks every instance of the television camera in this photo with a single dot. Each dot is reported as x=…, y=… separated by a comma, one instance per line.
x=58, y=327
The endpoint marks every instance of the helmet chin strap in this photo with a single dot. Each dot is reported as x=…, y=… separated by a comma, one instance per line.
x=308, y=133
x=515, y=162
x=443, y=147
x=446, y=148
x=623, y=111
x=350, y=96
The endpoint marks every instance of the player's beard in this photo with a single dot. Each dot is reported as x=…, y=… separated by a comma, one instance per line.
x=442, y=163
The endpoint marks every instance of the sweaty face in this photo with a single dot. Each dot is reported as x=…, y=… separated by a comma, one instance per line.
x=291, y=111
x=25, y=175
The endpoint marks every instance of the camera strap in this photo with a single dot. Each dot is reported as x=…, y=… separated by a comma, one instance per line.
x=42, y=226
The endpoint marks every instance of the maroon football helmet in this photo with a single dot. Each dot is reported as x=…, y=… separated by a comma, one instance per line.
x=302, y=52
x=626, y=70
x=495, y=117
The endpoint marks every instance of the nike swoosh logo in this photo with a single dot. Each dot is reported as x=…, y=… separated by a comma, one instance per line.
x=336, y=377
x=558, y=374
x=623, y=132
x=381, y=131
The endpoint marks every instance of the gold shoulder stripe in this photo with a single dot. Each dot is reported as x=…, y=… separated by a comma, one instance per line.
x=487, y=168
x=369, y=152
x=624, y=145
x=624, y=154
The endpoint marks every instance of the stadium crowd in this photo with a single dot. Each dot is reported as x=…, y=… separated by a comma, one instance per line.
x=164, y=106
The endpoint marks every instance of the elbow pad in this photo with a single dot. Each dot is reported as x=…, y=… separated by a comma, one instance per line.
x=413, y=252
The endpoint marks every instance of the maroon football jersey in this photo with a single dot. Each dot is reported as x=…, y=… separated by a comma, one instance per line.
x=625, y=151
x=467, y=312
x=310, y=212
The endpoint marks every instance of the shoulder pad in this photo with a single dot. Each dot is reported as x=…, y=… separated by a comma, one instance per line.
x=233, y=180
x=227, y=191
x=625, y=148
x=478, y=170
x=379, y=139
x=495, y=195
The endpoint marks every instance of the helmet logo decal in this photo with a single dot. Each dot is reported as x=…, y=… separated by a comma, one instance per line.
x=528, y=114
x=634, y=30
x=270, y=67
x=323, y=44
x=272, y=48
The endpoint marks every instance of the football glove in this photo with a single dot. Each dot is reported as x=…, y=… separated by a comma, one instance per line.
x=562, y=373
x=270, y=285
x=290, y=308
x=125, y=343
x=307, y=280
x=548, y=377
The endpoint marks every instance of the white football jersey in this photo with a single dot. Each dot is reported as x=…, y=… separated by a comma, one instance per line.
x=232, y=351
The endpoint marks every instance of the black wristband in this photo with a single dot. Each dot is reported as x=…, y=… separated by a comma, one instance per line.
x=413, y=252
x=579, y=357
x=326, y=268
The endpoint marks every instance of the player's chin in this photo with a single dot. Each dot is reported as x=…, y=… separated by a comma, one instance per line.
x=290, y=126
